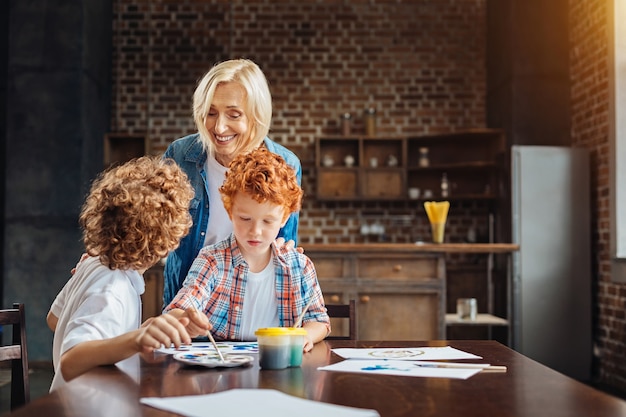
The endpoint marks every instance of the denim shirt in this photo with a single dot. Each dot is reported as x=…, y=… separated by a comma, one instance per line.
x=191, y=157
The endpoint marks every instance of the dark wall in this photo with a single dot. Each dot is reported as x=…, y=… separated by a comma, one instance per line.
x=57, y=101
x=528, y=84
x=4, y=57
x=528, y=76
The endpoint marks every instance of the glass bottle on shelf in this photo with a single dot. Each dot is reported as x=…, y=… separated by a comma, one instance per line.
x=370, y=121
x=423, y=159
x=445, y=186
x=345, y=124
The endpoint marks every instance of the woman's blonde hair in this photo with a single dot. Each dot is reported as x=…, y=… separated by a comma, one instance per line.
x=136, y=213
x=265, y=177
x=258, y=104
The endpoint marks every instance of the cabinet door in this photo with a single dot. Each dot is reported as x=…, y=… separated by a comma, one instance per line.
x=337, y=183
x=331, y=266
x=383, y=183
x=401, y=297
x=400, y=268
x=398, y=316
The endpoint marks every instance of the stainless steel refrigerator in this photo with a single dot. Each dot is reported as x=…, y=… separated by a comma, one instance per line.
x=551, y=274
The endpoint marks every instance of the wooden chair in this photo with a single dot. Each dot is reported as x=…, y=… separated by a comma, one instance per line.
x=344, y=311
x=17, y=354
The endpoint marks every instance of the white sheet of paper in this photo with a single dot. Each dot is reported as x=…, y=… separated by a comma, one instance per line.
x=407, y=354
x=252, y=402
x=398, y=367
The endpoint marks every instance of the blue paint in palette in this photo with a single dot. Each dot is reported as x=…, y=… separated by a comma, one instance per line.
x=246, y=347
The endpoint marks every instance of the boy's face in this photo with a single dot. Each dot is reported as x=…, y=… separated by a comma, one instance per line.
x=255, y=224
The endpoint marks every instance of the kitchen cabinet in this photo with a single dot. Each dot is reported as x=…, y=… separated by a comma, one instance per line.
x=357, y=168
x=400, y=296
x=400, y=289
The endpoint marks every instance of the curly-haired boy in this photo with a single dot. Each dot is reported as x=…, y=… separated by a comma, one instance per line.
x=133, y=216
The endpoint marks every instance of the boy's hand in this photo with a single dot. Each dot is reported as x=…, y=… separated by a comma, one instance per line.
x=198, y=322
x=163, y=330
x=308, y=344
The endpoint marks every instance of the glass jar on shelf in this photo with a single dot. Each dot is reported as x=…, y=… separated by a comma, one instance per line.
x=445, y=185
x=370, y=121
x=423, y=157
x=346, y=120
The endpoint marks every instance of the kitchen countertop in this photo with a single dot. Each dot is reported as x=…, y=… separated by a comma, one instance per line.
x=423, y=247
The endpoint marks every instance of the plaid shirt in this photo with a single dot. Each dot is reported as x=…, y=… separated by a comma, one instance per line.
x=216, y=284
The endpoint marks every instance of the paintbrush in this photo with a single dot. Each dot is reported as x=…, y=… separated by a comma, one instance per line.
x=481, y=366
x=215, y=346
x=306, y=307
x=208, y=333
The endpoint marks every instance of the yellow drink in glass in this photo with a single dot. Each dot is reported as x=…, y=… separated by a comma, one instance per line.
x=437, y=231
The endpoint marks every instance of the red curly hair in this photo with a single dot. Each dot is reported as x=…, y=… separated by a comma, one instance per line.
x=136, y=213
x=266, y=177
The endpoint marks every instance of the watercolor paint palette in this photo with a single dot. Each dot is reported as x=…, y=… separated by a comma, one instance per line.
x=244, y=348
x=212, y=359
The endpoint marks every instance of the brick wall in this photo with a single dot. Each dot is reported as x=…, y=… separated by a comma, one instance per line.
x=420, y=64
x=589, y=56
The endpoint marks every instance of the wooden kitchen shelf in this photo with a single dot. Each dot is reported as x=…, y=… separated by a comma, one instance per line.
x=122, y=147
x=482, y=319
x=385, y=167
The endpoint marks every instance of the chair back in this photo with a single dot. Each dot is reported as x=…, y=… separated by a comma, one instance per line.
x=347, y=311
x=16, y=353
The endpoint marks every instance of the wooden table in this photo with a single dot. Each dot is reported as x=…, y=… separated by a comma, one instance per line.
x=527, y=389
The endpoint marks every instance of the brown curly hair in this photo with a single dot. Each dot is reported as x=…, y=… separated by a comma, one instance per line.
x=136, y=213
x=265, y=176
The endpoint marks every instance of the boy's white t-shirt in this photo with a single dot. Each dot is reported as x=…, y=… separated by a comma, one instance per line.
x=219, y=226
x=260, y=305
x=96, y=303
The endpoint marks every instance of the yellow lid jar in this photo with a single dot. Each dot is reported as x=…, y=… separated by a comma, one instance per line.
x=280, y=347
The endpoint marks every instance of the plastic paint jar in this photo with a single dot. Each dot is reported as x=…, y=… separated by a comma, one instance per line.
x=297, y=335
x=274, y=347
x=280, y=347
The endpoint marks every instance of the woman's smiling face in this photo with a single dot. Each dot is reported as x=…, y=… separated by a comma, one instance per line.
x=226, y=121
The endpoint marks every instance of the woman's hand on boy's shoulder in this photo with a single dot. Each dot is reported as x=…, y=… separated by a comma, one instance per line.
x=290, y=244
x=82, y=258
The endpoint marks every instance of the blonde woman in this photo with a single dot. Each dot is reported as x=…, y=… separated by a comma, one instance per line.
x=232, y=109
